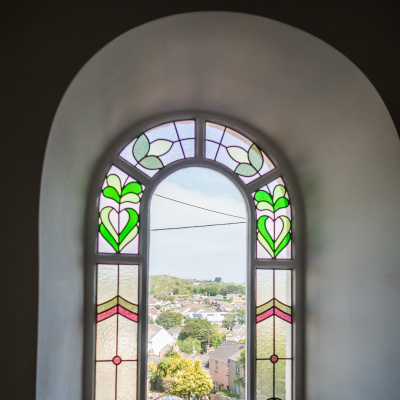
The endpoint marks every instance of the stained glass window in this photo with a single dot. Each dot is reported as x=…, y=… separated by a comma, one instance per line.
x=274, y=334
x=236, y=152
x=160, y=146
x=116, y=332
x=122, y=252
x=273, y=220
x=119, y=209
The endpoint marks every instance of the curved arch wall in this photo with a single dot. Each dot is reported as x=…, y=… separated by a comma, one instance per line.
x=311, y=101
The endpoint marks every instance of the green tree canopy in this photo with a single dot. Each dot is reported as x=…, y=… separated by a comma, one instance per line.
x=192, y=378
x=234, y=317
x=187, y=345
x=199, y=329
x=168, y=319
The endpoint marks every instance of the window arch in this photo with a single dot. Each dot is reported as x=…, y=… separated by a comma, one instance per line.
x=118, y=232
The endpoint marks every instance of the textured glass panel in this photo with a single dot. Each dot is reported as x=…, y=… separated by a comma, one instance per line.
x=105, y=381
x=274, y=226
x=106, y=338
x=283, y=287
x=283, y=338
x=264, y=380
x=283, y=379
x=265, y=338
x=127, y=338
x=126, y=380
x=160, y=146
x=264, y=286
x=119, y=209
x=128, y=282
x=236, y=152
x=107, y=282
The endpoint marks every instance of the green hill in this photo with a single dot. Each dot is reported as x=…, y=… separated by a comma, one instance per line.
x=179, y=286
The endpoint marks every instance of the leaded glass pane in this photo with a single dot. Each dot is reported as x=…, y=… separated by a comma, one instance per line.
x=116, y=331
x=160, y=146
x=274, y=225
x=119, y=209
x=236, y=152
x=274, y=333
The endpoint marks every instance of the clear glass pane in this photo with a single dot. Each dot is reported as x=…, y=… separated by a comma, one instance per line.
x=264, y=286
x=236, y=152
x=126, y=380
x=105, y=381
x=106, y=338
x=119, y=209
x=127, y=338
x=265, y=338
x=283, y=379
x=107, y=282
x=283, y=286
x=264, y=380
x=128, y=283
x=283, y=338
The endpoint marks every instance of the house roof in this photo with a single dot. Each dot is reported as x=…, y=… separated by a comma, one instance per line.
x=226, y=350
x=175, y=330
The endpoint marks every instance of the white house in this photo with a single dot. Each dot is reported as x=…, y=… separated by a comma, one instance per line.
x=158, y=339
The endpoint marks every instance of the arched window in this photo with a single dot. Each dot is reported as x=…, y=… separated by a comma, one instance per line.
x=118, y=257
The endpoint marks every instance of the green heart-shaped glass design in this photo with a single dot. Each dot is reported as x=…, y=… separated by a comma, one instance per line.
x=129, y=193
x=274, y=247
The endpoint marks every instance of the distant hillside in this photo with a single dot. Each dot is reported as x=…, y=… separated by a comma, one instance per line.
x=179, y=286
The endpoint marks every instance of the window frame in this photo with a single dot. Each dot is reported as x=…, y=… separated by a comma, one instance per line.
x=92, y=258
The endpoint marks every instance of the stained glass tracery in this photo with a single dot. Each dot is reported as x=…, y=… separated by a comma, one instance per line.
x=160, y=146
x=274, y=225
x=119, y=209
x=274, y=334
x=235, y=151
x=116, y=332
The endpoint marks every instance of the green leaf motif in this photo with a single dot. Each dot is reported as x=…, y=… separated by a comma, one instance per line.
x=132, y=187
x=282, y=202
x=114, y=181
x=283, y=236
x=264, y=200
x=245, y=170
x=151, y=162
x=238, y=154
x=141, y=147
x=255, y=157
x=106, y=235
x=159, y=147
x=279, y=192
x=111, y=193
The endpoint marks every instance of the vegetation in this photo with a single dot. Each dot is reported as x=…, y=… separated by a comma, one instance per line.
x=160, y=284
x=234, y=317
x=242, y=360
x=168, y=319
x=182, y=377
x=202, y=330
x=187, y=345
x=228, y=393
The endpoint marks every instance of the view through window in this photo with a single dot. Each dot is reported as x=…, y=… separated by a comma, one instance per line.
x=197, y=286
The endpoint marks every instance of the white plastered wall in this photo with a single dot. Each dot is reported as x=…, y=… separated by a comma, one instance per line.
x=322, y=112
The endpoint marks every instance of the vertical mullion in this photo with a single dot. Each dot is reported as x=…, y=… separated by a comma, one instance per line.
x=200, y=134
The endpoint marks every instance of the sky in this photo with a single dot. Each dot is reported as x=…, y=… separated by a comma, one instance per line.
x=200, y=253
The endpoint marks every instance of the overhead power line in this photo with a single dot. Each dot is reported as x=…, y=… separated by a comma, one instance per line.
x=197, y=226
x=201, y=208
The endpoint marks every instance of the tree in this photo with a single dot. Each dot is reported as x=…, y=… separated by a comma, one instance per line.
x=168, y=319
x=187, y=345
x=199, y=329
x=218, y=279
x=234, y=317
x=150, y=320
x=192, y=378
x=242, y=361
